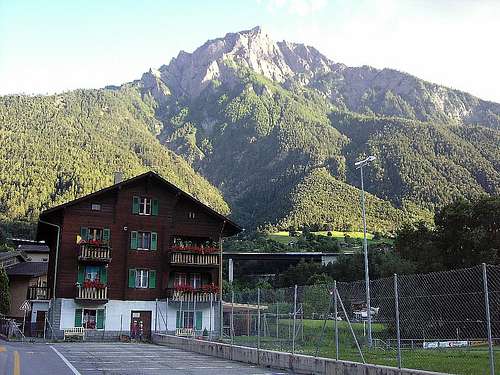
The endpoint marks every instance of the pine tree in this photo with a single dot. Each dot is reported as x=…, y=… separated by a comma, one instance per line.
x=4, y=292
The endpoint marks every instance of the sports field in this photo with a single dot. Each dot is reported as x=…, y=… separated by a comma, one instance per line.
x=466, y=361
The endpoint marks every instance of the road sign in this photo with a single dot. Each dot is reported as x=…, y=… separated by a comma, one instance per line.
x=25, y=306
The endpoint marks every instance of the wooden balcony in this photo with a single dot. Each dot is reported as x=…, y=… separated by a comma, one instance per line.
x=91, y=294
x=182, y=258
x=94, y=253
x=194, y=296
x=38, y=293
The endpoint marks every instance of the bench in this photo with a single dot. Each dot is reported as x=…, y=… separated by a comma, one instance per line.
x=74, y=332
x=184, y=332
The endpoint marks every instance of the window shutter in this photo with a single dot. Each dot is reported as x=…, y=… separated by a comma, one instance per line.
x=199, y=320
x=84, y=233
x=78, y=317
x=135, y=205
x=154, y=240
x=103, y=275
x=100, y=319
x=177, y=319
x=133, y=240
x=106, y=234
x=131, y=278
x=154, y=207
x=81, y=274
x=152, y=279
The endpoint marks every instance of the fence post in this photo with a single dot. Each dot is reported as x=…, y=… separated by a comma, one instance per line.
x=294, y=318
x=232, y=317
x=488, y=319
x=166, y=316
x=335, y=317
x=258, y=319
x=277, y=317
x=398, y=333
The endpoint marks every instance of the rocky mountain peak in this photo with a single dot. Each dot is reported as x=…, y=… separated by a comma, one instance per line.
x=190, y=73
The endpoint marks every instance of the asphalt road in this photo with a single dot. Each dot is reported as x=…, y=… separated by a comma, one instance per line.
x=114, y=359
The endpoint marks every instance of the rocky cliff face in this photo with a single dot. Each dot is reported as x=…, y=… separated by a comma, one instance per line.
x=359, y=89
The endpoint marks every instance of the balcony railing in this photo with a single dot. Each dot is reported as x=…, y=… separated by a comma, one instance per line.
x=96, y=253
x=38, y=293
x=194, y=296
x=190, y=259
x=93, y=294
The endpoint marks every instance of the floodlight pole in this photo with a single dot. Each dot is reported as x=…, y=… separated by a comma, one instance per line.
x=365, y=250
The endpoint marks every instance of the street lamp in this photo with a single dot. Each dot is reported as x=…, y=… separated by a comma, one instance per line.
x=359, y=165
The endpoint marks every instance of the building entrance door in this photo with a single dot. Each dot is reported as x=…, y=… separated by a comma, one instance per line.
x=39, y=325
x=140, y=325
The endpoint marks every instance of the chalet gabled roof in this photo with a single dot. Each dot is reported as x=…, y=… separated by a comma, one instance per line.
x=32, y=269
x=230, y=226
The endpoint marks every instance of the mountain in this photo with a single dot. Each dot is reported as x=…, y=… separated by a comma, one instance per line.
x=56, y=148
x=363, y=89
x=256, y=117
x=275, y=128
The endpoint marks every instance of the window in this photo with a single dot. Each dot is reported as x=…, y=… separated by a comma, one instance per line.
x=89, y=318
x=92, y=273
x=95, y=234
x=188, y=319
x=195, y=280
x=141, y=278
x=180, y=279
x=191, y=215
x=144, y=240
x=145, y=206
x=96, y=207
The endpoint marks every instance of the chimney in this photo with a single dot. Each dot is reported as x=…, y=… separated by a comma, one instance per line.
x=118, y=177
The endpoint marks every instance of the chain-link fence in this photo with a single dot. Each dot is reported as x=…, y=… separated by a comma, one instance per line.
x=444, y=321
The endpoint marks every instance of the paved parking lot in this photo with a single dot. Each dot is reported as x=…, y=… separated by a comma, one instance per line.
x=119, y=358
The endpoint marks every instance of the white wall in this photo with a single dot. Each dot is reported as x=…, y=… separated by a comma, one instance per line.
x=118, y=313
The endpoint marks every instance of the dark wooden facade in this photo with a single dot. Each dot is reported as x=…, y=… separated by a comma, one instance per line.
x=179, y=215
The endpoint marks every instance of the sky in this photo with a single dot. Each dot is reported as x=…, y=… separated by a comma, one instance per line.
x=59, y=45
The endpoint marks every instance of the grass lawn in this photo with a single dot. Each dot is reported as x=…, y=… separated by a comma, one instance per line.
x=466, y=361
x=284, y=238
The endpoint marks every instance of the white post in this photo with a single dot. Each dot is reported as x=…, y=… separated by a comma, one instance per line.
x=336, y=327
x=398, y=334
x=294, y=319
x=258, y=318
x=488, y=319
x=365, y=249
x=231, y=270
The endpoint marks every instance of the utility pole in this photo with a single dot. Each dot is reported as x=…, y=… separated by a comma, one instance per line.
x=360, y=165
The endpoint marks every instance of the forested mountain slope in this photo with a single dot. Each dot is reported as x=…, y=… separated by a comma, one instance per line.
x=275, y=127
x=56, y=148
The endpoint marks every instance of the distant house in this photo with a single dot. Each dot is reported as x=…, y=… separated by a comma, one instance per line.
x=28, y=290
x=35, y=252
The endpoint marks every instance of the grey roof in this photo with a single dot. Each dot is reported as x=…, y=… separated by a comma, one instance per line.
x=11, y=254
x=34, y=248
x=28, y=269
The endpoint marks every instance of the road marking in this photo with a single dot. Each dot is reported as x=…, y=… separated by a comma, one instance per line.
x=71, y=367
x=17, y=364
